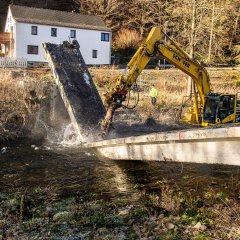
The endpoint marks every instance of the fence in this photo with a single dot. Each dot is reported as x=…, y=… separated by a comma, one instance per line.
x=6, y=62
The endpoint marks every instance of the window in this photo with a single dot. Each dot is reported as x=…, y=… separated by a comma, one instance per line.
x=105, y=37
x=34, y=30
x=32, y=49
x=53, y=32
x=72, y=33
x=94, y=53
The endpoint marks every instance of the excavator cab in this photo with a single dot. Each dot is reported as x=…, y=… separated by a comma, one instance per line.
x=219, y=109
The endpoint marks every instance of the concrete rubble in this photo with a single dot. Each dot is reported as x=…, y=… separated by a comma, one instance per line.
x=77, y=89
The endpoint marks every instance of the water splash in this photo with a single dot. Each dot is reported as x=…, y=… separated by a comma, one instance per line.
x=66, y=135
x=70, y=136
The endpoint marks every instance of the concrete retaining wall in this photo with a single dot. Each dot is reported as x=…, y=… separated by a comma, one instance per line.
x=216, y=145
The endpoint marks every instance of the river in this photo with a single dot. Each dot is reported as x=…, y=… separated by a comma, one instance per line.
x=74, y=170
x=57, y=191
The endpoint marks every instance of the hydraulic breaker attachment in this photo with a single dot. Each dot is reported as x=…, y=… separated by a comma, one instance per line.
x=106, y=123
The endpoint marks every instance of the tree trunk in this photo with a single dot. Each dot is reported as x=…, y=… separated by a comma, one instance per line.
x=192, y=37
x=211, y=33
x=235, y=29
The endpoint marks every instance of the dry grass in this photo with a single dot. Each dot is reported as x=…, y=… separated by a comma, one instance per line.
x=127, y=39
x=104, y=78
x=12, y=95
x=171, y=83
x=172, y=87
x=15, y=111
x=228, y=221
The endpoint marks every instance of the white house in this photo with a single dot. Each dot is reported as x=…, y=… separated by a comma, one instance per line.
x=27, y=28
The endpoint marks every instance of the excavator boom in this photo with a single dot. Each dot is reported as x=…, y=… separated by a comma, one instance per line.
x=153, y=46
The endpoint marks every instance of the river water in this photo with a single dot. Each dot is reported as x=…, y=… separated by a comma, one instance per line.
x=70, y=170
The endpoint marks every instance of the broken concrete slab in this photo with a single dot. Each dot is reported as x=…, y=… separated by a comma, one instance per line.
x=77, y=88
x=208, y=145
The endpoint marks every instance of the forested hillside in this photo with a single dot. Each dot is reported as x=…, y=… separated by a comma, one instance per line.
x=209, y=30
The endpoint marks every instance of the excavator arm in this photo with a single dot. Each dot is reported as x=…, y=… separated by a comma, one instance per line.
x=115, y=97
x=173, y=54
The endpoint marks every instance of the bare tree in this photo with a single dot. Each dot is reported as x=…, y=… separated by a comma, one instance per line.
x=235, y=25
x=206, y=29
x=211, y=31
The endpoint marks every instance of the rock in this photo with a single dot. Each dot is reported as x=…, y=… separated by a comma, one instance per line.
x=49, y=210
x=170, y=226
x=195, y=233
x=4, y=150
x=203, y=228
x=152, y=219
x=123, y=212
x=200, y=226
x=102, y=230
x=62, y=216
x=122, y=236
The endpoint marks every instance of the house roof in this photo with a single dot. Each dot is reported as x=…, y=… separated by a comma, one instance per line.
x=57, y=18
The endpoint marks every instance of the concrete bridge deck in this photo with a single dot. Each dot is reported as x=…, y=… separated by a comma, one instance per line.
x=204, y=145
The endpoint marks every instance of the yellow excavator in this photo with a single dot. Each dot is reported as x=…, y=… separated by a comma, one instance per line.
x=208, y=108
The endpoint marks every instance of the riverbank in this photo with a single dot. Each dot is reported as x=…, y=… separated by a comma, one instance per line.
x=23, y=92
x=48, y=191
x=55, y=192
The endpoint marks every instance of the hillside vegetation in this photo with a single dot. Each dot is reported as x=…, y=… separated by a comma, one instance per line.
x=208, y=30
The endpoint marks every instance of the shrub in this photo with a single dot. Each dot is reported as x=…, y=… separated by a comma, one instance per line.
x=127, y=39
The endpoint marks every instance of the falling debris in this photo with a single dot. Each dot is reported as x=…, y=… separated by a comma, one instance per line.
x=77, y=88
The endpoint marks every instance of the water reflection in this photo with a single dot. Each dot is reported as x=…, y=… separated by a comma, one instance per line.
x=68, y=171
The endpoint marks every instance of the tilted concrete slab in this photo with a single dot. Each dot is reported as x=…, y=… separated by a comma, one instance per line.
x=208, y=145
x=77, y=89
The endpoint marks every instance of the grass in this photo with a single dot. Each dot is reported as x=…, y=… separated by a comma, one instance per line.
x=16, y=113
x=40, y=214
x=17, y=110
x=172, y=87
x=25, y=221
x=171, y=83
